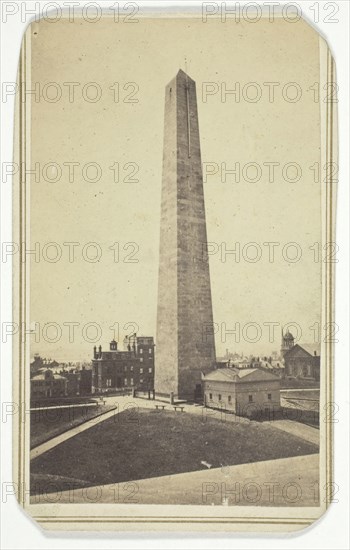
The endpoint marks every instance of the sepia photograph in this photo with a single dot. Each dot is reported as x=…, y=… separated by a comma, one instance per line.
x=174, y=209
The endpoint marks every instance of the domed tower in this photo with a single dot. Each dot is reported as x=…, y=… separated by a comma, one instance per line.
x=287, y=342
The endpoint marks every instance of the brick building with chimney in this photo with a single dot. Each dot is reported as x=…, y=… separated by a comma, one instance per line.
x=132, y=367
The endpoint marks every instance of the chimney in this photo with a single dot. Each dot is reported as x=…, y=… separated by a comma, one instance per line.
x=95, y=352
x=100, y=351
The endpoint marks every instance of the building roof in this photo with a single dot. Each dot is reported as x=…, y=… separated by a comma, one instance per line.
x=310, y=349
x=266, y=365
x=114, y=355
x=243, y=373
x=239, y=375
x=43, y=377
x=277, y=363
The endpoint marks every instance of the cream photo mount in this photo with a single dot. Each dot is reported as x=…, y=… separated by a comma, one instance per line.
x=140, y=517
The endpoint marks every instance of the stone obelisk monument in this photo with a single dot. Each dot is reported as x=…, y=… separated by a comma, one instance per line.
x=185, y=332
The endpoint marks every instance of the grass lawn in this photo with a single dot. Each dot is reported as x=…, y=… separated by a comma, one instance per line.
x=150, y=443
x=46, y=424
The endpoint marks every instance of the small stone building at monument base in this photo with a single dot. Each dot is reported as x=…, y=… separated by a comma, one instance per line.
x=245, y=392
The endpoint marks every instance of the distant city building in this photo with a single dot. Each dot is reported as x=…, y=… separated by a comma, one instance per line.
x=296, y=361
x=245, y=392
x=300, y=361
x=72, y=382
x=42, y=364
x=303, y=362
x=132, y=367
x=79, y=381
x=48, y=384
x=85, y=381
x=36, y=364
x=251, y=362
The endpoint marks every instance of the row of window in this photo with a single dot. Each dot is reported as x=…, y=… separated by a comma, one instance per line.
x=126, y=382
x=141, y=369
x=149, y=351
x=131, y=381
x=229, y=398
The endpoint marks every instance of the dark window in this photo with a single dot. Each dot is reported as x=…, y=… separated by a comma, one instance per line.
x=229, y=399
x=210, y=396
x=269, y=397
x=250, y=399
x=219, y=396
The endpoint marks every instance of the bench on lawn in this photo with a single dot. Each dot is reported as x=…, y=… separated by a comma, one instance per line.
x=178, y=407
x=160, y=407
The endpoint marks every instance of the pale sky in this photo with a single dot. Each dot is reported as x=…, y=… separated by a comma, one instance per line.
x=147, y=55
